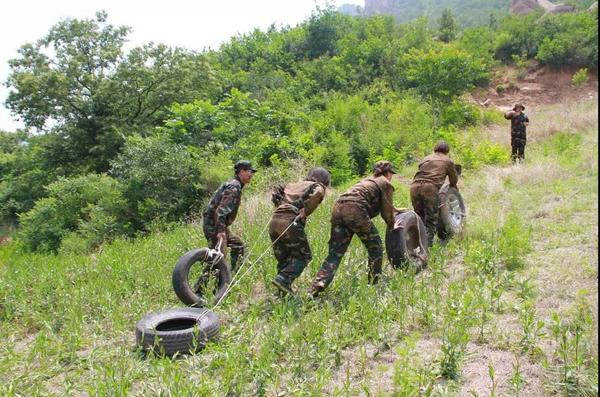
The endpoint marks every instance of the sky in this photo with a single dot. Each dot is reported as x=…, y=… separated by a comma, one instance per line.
x=195, y=25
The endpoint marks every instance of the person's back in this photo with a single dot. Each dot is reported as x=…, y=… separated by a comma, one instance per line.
x=424, y=190
x=434, y=168
x=294, y=203
x=373, y=194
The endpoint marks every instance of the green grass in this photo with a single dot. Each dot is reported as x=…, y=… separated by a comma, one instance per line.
x=67, y=321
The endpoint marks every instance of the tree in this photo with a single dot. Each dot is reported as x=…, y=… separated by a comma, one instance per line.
x=78, y=83
x=448, y=27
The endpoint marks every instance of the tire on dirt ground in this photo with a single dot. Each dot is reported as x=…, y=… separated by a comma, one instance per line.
x=195, y=294
x=184, y=330
x=407, y=242
x=452, y=215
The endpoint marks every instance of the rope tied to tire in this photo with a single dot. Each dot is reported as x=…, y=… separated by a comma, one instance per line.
x=239, y=275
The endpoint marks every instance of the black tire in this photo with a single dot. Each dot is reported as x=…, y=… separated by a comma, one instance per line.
x=452, y=216
x=194, y=295
x=185, y=330
x=407, y=242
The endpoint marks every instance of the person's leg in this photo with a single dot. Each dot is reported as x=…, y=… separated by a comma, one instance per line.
x=431, y=209
x=514, y=154
x=372, y=242
x=521, y=153
x=417, y=200
x=238, y=250
x=338, y=244
x=299, y=251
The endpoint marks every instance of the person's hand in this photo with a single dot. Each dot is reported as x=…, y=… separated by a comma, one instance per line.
x=222, y=236
x=302, y=213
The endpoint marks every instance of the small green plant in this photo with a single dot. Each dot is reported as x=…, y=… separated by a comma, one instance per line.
x=514, y=242
x=580, y=78
x=500, y=88
x=532, y=329
x=517, y=380
x=492, y=375
x=521, y=65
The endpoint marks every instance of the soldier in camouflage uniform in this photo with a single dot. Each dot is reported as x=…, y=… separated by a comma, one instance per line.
x=222, y=210
x=518, y=131
x=424, y=190
x=295, y=202
x=352, y=214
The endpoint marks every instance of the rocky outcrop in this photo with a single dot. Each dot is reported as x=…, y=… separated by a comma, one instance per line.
x=527, y=6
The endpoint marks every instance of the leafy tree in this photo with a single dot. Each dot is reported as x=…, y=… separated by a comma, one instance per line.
x=162, y=181
x=444, y=73
x=447, y=26
x=78, y=83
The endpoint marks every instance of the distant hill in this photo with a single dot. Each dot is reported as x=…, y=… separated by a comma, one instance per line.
x=467, y=12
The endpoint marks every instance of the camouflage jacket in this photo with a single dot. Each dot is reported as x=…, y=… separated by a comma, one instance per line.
x=434, y=169
x=303, y=194
x=518, y=129
x=223, y=206
x=375, y=195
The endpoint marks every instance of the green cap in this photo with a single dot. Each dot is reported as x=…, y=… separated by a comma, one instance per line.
x=243, y=165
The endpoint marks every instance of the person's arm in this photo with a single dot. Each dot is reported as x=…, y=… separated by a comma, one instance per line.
x=226, y=206
x=387, y=204
x=314, y=199
x=509, y=115
x=452, y=174
x=526, y=122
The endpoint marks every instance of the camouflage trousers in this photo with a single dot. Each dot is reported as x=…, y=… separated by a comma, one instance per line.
x=234, y=243
x=291, y=248
x=347, y=220
x=518, y=149
x=425, y=200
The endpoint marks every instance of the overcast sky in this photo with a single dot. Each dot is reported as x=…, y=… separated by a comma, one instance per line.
x=185, y=23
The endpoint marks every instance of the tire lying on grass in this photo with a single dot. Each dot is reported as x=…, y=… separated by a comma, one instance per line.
x=407, y=243
x=452, y=215
x=185, y=330
x=196, y=267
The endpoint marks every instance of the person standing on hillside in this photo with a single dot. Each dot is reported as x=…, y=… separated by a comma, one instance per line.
x=295, y=202
x=222, y=210
x=424, y=190
x=352, y=214
x=518, y=134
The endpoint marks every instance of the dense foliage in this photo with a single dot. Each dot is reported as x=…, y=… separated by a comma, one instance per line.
x=159, y=127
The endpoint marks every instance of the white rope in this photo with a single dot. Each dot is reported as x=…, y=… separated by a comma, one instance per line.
x=233, y=282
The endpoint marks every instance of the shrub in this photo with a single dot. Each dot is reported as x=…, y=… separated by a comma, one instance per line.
x=514, y=242
x=580, y=77
x=443, y=73
x=92, y=206
x=500, y=88
x=162, y=180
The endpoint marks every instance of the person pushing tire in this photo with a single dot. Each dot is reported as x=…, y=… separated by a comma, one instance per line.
x=295, y=202
x=424, y=190
x=352, y=214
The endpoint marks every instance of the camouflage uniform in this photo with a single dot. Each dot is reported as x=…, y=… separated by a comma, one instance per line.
x=351, y=215
x=424, y=191
x=291, y=247
x=220, y=214
x=518, y=134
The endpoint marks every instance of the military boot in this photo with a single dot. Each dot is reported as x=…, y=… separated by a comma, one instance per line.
x=283, y=284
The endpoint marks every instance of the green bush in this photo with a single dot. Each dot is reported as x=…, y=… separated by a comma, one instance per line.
x=514, y=242
x=162, y=181
x=443, y=73
x=580, y=77
x=92, y=206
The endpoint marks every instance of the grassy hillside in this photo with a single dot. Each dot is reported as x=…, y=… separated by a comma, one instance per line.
x=467, y=12
x=509, y=308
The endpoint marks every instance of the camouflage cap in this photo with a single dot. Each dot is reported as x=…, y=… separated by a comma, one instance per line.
x=518, y=105
x=243, y=165
x=382, y=167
